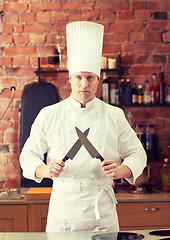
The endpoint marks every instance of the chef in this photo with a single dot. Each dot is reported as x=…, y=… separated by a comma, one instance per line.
x=82, y=198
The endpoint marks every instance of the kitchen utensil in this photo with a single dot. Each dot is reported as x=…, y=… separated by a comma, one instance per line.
x=119, y=236
x=87, y=144
x=161, y=233
x=75, y=148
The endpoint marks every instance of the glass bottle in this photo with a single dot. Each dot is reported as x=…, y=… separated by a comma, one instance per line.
x=140, y=133
x=121, y=91
x=166, y=175
x=128, y=93
x=113, y=93
x=154, y=90
x=162, y=87
x=140, y=94
x=105, y=88
x=134, y=94
x=168, y=94
x=146, y=93
x=150, y=137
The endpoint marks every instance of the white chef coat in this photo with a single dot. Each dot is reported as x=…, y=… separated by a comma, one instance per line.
x=82, y=198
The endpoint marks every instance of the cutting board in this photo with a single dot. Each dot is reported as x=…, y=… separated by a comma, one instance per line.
x=38, y=193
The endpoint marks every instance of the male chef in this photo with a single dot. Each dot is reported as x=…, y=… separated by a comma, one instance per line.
x=82, y=198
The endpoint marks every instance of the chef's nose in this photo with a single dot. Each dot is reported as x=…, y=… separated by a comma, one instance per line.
x=84, y=82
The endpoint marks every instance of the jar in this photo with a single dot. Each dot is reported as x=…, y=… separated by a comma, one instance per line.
x=140, y=133
x=149, y=137
x=166, y=176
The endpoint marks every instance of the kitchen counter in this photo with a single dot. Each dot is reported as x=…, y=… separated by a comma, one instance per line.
x=65, y=236
x=121, y=196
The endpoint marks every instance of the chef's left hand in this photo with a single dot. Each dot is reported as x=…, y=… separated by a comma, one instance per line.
x=113, y=171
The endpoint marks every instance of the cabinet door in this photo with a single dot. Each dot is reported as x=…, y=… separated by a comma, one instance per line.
x=37, y=217
x=13, y=218
x=147, y=215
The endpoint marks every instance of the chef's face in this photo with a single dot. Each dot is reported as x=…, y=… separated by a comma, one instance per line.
x=84, y=86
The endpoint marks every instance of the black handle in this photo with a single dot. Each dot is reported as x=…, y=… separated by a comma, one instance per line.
x=65, y=158
x=101, y=158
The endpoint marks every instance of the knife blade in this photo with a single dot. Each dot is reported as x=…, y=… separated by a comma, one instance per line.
x=88, y=145
x=75, y=148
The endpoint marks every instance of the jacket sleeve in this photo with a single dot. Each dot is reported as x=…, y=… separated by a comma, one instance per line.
x=130, y=148
x=32, y=154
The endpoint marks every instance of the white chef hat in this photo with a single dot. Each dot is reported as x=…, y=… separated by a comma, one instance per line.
x=84, y=47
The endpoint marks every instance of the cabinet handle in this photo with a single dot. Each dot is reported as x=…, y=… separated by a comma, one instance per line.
x=151, y=209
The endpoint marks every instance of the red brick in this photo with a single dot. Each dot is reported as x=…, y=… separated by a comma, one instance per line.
x=142, y=15
x=75, y=17
x=158, y=5
x=51, y=38
x=126, y=26
x=37, y=28
x=19, y=28
x=162, y=48
x=121, y=37
x=138, y=5
x=78, y=5
x=108, y=16
x=43, y=50
x=114, y=48
x=10, y=17
x=21, y=39
x=108, y=36
x=5, y=125
x=158, y=26
x=112, y=5
x=17, y=71
x=166, y=37
x=154, y=37
x=5, y=39
x=43, y=16
x=127, y=59
x=45, y=6
x=60, y=27
x=144, y=69
x=27, y=17
x=15, y=7
x=141, y=58
x=137, y=37
x=92, y=16
x=17, y=50
x=125, y=15
x=37, y=38
x=7, y=28
x=5, y=61
x=137, y=47
x=58, y=16
x=22, y=60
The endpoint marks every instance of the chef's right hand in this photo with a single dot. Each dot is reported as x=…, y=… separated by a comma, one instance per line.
x=52, y=170
x=55, y=168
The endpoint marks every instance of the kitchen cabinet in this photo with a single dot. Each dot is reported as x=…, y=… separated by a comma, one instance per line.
x=143, y=215
x=37, y=217
x=13, y=218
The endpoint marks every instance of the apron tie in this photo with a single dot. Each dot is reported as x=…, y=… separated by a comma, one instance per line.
x=101, y=190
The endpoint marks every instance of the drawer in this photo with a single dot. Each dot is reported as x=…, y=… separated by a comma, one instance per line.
x=146, y=214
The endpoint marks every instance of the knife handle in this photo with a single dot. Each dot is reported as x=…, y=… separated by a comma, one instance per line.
x=65, y=158
x=101, y=158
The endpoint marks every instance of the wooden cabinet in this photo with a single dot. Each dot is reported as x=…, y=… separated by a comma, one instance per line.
x=13, y=218
x=143, y=215
x=37, y=217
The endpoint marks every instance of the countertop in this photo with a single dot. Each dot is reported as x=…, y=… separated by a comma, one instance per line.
x=121, y=196
x=66, y=236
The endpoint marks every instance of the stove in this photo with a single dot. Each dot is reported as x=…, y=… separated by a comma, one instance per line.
x=118, y=236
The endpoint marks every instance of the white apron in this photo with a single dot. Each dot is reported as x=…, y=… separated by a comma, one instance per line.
x=82, y=205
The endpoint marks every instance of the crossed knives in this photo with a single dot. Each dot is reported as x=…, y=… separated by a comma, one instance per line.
x=82, y=140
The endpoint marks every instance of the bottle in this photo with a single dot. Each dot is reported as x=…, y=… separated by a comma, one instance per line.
x=128, y=93
x=166, y=176
x=168, y=94
x=140, y=133
x=162, y=87
x=121, y=91
x=140, y=94
x=105, y=88
x=130, y=119
x=146, y=93
x=113, y=93
x=134, y=94
x=154, y=90
x=150, y=137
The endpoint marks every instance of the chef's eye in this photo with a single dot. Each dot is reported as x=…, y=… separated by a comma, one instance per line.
x=78, y=77
x=90, y=77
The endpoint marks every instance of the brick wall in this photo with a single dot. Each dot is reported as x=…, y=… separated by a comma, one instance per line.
x=138, y=30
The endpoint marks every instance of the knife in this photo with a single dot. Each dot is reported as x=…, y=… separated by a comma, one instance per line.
x=87, y=144
x=75, y=148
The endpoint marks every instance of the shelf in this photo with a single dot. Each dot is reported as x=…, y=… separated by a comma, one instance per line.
x=146, y=105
